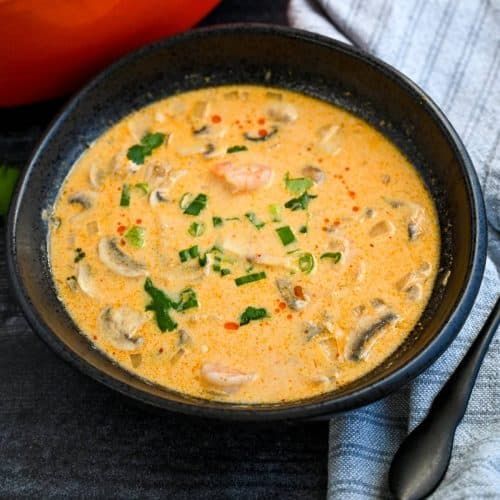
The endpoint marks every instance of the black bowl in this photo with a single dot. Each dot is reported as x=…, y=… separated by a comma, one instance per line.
x=278, y=57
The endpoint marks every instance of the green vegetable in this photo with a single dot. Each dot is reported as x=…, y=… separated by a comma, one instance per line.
x=197, y=205
x=125, y=197
x=299, y=185
x=306, y=263
x=300, y=203
x=160, y=304
x=136, y=236
x=254, y=220
x=286, y=235
x=335, y=256
x=79, y=255
x=275, y=211
x=149, y=142
x=250, y=278
x=8, y=181
x=187, y=300
x=232, y=218
x=225, y=271
x=189, y=253
x=142, y=186
x=253, y=314
x=217, y=221
x=196, y=229
x=303, y=229
x=236, y=149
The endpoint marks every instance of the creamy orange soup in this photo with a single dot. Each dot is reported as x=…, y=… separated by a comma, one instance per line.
x=245, y=244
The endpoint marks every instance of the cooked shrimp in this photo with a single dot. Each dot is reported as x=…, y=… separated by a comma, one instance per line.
x=246, y=177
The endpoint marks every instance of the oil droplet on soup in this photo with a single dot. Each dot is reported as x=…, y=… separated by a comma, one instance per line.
x=244, y=243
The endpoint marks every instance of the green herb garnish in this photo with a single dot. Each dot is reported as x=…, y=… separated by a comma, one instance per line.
x=196, y=229
x=306, y=263
x=275, y=211
x=197, y=205
x=125, y=197
x=149, y=142
x=79, y=255
x=187, y=300
x=303, y=229
x=300, y=203
x=335, y=256
x=8, y=181
x=189, y=253
x=224, y=271
x=236, y=149
x=233, y=218
x=217, y=221
x=142, y=186
x=250, y=278
x=136, y=236
x=299, y=185
x=253, y=314
x=286, y=235
x=254, y=220
x=160, y=304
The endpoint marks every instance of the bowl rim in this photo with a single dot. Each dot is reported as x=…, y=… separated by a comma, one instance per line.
x=360, y=397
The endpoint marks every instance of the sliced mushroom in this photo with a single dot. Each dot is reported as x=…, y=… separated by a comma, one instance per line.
x=316, y=174
x=384, y=228
x=312, y=329
x=97, y=174
x=86, y=199
x=329, y=138
x=156, y=172
x=227, y=379
x=119, y=326
x=412, y=283
x=285, y=288
x=86, y=281
x=160, y=194
x=119, y=262
x=282, y=112
x=415, y=221
x=367, y=328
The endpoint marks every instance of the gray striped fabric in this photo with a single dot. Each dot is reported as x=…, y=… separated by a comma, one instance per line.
x=451, y=48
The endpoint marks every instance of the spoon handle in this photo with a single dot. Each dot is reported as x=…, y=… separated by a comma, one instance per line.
x=423, y=457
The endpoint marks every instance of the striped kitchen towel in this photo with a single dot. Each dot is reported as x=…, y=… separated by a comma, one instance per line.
x=451, y=48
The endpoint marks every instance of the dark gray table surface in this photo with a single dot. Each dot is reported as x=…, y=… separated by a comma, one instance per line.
x=62, y=434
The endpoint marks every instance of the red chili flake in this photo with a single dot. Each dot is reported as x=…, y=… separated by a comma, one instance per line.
x=95, y=337
x=282, y=305
x=347, y=169
x=327, y=220
x=263, y=132
x=261, y=121
x=352, y=194
x=138, y=221
x=336, y=222
x=121, y=229
x=355, y=209
x=230, y=325
x=160, y=350
x=289, y=316
x=122, y=241
x=299, y=293
x=216, y=119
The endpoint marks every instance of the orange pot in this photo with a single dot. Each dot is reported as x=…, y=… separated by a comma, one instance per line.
x=49, y=47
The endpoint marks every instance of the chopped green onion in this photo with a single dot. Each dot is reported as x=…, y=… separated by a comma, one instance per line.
x=187, y=300
x=286, y=235
x=335, y=256
x=160, y=304
x=233, y=218
x=196, y=229
x=136, y=236
x=217, y=221
x=275, y=211
x=197, y=205
x=254, y=220
x=79, y=255
x=253, y=314
x=236, y=149
x=300, y=203
x=189, y=253
x=125, y=197
x=142, y=186
x=306, y=263
x=224, y=271
x=303, y=229
x=138, y=152
x=8, y=181
x=250, y=278
x=297, y=186
x=185, y=200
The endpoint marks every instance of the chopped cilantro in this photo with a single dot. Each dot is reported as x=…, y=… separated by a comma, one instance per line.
x=253, y=314
x=236, y=149
x=299, y=185
x=138, y=152
x=300, y=203
x=136, y=236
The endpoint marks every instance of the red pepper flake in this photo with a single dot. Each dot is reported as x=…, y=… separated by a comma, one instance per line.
x=160, y=350
x=261, y=121
x=121, y=229
x=336, y=222
x=216, y=119
x=355, y=209
x=299, y=293
x=230, y=325
x=263, y=132
x=138, y=221
x=95, y=337
x=122, y=241
x=352, y=194
x=289, y=316
x=347, y=169
x=282, y=305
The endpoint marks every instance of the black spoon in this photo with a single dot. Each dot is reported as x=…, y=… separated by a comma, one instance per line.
x=422, y=459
